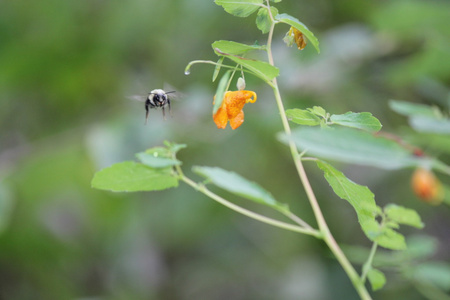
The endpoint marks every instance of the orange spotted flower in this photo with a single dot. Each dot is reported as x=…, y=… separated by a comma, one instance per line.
x=231, y=108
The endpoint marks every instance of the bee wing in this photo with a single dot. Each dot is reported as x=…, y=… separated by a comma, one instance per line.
x=173, y=93
x=139, y=98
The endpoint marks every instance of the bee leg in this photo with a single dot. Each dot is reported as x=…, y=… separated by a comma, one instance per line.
x=170, y=111
x=147, y=103
x=164, y=113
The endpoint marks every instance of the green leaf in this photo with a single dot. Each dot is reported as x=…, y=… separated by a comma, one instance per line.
x=236, y=184
x=294, y=22
x=403, y=215
x=363, y=202
x=263, y=70
x=220, y=92
x=234, y=48
x=390, y=239
x=376, y=278
x=172, y=147
x=409, y=109
x=392, y=224
x=363, y=120
x=165, y=152
x=217, y=68
x=263, y=20
x=240, y=8
x=130, y=176
x=159, y=151
x=302, y=117
x=360, y=197
x=354, y=146
x=430, y=124
x=436, y=273
x=156, y=161
x=318, y=110
x=422, y=118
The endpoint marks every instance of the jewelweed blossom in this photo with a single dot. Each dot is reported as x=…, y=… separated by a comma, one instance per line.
x=231, y=108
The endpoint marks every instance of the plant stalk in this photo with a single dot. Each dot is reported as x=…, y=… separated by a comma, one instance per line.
x=327, y=236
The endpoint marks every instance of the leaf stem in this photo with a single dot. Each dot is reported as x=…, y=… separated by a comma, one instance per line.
x=368, y=264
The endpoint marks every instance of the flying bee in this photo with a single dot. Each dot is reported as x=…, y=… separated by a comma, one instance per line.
x=156, y=98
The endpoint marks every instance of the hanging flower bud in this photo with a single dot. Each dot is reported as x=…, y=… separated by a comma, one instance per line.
x=240, y=84
x=295, y=36
x=426, y=186
x=231, y=108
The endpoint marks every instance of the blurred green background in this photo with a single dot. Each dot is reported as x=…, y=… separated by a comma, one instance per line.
x=66, y=68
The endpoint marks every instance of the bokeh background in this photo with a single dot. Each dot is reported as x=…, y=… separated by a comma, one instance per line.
x=66, y=69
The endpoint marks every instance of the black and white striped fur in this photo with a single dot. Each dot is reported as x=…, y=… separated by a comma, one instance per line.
x=157, y=98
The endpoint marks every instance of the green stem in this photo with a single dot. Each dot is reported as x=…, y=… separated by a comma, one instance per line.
x=201, y=188
x=306, y=229
x=368, y=264
x=231, y=78
x=327, y=236
x=188, y=67
x=297, y=220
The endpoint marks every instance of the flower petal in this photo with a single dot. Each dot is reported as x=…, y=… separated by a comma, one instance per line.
x=231, y=108
x=221, y=118
x=237, y=121
x=235, y=103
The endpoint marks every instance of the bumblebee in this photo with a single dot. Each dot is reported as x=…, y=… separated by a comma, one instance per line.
x=156, y=98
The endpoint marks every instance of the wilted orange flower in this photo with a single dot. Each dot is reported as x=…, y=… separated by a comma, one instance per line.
x=231, y=108
x=297, y=37
x=426, y=186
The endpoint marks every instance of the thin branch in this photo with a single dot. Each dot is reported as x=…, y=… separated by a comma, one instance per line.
x=298, y=220
x=201, y=188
